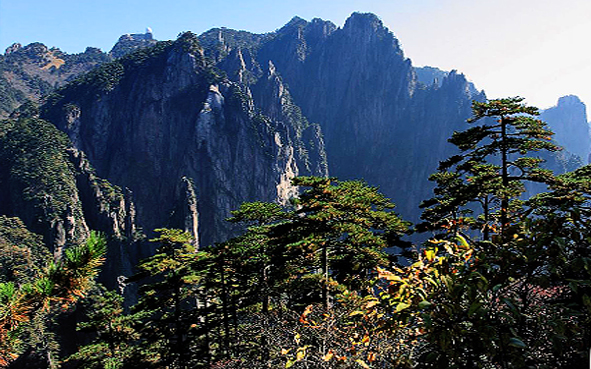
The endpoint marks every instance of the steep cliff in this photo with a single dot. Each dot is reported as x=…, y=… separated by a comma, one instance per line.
x=379, y=122
x=163, y=123
x=568, y=120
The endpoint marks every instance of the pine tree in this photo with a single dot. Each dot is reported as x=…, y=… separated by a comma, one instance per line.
x=116, y=342
x=495, y=286
x=29, y=307
x=293, y=261
x=170, y=300
x=340, y=229
x=491, y=169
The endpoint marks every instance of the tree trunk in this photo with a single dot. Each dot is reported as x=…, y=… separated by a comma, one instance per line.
x=505, y=176
x=325, y=276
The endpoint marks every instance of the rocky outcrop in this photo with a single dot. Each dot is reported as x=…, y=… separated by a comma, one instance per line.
x=183, y=139
x=186, y=213
x=568, y=121
x=131, y=42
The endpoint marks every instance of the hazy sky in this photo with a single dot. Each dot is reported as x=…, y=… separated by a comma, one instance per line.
x=539, y=49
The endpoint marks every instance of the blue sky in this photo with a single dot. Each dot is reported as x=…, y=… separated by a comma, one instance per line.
x=538, y=49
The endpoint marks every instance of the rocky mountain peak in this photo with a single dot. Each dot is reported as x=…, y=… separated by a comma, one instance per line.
x=132, y=41
x=294, y=24
x=365, y=23
x=366, y=28
x=167, y=118
x=324, y=24
x=12, y=48
x=568, y=120
x=36, y=53
x=570, y=100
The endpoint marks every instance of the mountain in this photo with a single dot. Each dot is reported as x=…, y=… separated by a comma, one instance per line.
x=190, y=144
x=568, y=120
x=33, y=71
x=131, y=42
x=379, y=121
x=196, y=126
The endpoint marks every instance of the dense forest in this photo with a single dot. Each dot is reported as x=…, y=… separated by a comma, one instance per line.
x=330, y=280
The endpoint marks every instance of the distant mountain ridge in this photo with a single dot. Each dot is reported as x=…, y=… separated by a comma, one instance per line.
x=379, y=122
x=33, y=71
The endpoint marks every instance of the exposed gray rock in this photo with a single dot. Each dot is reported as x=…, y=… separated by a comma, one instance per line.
x=55, y=191
x=131, y=42
x=379, y=123
x=170, y=117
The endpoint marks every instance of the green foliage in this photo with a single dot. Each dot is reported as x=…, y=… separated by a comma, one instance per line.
x=34, y=162
x=240, y=302
x=341, y=229
x=28, y=308
x=168, y=334
x=326, y=245
x=499, y=300
x=115, y=345
x=10, y=97
x=22, y=253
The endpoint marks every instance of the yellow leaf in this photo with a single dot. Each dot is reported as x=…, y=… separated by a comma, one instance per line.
x=300, y=355
x=362, y=363
x=401, y=306
x=430, y=254
x=328, y=356
x=371, y=304
x=462, y=241
x=356, y=312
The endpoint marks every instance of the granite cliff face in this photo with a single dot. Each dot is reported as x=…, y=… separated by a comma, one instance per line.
x=187, y=142
x=192, y=129
x=568, y=120
x=379, y=121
